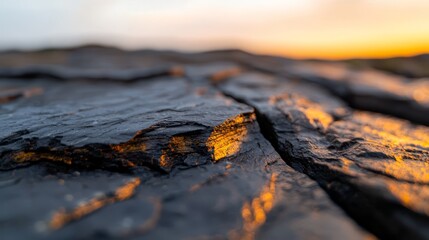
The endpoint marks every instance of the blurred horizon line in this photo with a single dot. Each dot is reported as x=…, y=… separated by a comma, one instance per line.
x=84, y=44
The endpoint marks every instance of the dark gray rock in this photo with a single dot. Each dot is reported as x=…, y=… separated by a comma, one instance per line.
x=100, y=143
x=373, y=165
x=370, y=90
x=168, y=157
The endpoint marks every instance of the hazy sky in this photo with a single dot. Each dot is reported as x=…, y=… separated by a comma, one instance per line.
x=299, y=28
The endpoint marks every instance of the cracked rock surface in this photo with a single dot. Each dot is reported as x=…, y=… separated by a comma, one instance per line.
x=100, y=143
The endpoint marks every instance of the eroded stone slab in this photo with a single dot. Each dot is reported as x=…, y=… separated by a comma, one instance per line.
x=370, y=89
x=158, y=158
x=375, y=166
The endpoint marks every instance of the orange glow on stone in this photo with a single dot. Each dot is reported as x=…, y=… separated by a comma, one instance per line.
x=254, y=213
x=63, y=217
x=226, y=138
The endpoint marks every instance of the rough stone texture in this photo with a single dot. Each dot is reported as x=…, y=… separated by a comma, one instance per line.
x=371, y=89
x=373, y=165
x=98, y=143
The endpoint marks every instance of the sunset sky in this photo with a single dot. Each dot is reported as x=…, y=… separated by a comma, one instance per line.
x=296, y=28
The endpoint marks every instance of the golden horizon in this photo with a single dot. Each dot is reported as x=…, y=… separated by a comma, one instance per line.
x=326, y=29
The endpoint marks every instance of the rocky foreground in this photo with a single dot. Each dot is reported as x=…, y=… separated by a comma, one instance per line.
x=98, y=143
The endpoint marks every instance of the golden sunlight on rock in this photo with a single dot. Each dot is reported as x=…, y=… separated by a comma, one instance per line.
x=180, y=144
x=317, y=117
x=392, y=132
x=63, y=216
x=391, y=146
x=314, y=112
x=254, y=212
x=130, y=147
x=415, y=197
x=416, y=171
x=226, y=139
x=23, y=157
x=165, y=161
x=177, y=146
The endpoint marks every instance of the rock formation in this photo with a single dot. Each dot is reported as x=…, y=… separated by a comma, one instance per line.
x=100, y=143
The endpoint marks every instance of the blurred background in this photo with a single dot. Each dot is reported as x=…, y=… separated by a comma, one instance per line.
x=330, y=29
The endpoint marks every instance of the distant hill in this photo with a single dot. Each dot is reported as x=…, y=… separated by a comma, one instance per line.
x=415, y=66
